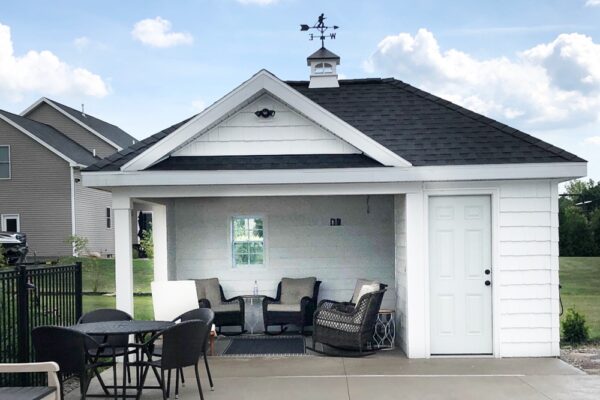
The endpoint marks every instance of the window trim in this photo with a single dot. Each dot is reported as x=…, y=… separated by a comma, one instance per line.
x=232, y=241
x=9, y=163
x=4, y=217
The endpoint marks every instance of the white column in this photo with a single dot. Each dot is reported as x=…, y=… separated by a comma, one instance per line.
x=554, y=269
x=123, y=252
x=159, y=237
x=417, y=307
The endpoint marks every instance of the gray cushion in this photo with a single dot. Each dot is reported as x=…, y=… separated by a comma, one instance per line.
x=359, y=285
x=226, y=307
x=293, y=290
x=209, y=289
x=284, y=307
x=27, y=393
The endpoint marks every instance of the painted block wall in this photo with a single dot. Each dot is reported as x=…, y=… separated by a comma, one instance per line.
x=299, y=242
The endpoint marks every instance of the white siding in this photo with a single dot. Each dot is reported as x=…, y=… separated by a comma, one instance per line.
x=287, y=132
x=400, y=261
x=299, y=242
x=527, y=274
x=90, y=218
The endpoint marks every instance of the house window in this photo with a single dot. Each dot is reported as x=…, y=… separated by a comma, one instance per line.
x=11, y=223
x=4, y=162
x=248, y=241
x=108, y=220
x=323, y=68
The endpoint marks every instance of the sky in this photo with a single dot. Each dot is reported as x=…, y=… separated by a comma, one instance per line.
x=145, y=65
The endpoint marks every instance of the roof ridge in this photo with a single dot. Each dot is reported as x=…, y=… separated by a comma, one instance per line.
x=516, y=133
x=81, y=112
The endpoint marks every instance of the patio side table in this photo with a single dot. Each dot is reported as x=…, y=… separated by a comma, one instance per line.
x=254, y=314
x=384, y=337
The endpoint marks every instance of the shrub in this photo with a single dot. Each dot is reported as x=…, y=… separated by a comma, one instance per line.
x=147, y=243
x=574, y=328
x=3, y=260
x=79, y=244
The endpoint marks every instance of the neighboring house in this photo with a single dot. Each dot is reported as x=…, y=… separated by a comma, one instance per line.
x=364, y=178
x=42, y=152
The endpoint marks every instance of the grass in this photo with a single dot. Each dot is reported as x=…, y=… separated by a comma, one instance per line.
x=579, y=276
x=580, y=280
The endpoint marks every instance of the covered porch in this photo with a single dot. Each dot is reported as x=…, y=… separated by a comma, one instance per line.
x=337, y=235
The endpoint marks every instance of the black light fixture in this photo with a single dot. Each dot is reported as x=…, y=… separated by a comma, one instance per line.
x=265, y=113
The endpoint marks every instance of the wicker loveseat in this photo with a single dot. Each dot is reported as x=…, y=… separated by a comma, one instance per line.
x=295, y=303
x=348, y=326
x=228, y=312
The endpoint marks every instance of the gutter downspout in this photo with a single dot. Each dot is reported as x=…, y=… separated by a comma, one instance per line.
x=73, y=228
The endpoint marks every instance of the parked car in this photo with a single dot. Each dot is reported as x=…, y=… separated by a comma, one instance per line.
x=15, y=247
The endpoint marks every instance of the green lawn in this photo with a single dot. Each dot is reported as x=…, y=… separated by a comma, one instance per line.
x=579, y=276
x=580, y=280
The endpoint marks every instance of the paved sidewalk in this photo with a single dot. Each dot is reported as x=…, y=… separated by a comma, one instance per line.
x=386, y=376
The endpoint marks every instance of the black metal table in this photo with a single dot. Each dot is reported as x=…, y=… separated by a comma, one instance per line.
x=114, y=328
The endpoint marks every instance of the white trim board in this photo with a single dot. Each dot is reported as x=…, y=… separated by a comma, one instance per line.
x=263, y=82
x=560, y=171
x=46, y=145
x=69, y=116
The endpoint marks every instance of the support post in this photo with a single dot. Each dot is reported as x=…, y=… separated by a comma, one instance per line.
x=159, y=237
x=417, y=341
x=123, y=253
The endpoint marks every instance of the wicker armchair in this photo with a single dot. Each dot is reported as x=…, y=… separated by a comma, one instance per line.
x=228, y=312
x=296, y=305
x=346, y=326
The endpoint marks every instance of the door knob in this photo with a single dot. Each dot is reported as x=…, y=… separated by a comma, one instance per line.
x=487, y=271
x=488, y=283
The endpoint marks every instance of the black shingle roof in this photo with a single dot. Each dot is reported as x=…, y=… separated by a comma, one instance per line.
x=109, y=131
x=418, y=126
x=290, y=161
x=53, y=138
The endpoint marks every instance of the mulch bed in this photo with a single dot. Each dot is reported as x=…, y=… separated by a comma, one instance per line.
x=585, y=357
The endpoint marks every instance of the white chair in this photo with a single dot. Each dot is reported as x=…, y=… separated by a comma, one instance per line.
x=50, y=392
x=172, y=298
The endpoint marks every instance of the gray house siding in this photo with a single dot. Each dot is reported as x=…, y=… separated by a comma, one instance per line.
x=90, y=218
x=48, y=115
x=39, y=191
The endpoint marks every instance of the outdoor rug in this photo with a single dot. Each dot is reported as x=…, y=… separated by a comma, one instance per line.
x=263, y=346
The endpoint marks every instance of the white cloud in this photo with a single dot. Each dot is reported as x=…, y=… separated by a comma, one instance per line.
x=81, y=42
x=592, y=3
x=593, y=140
x=550, y=85
x=42, y=72
x=258, y=2
x=157, y=33
x=198, y=105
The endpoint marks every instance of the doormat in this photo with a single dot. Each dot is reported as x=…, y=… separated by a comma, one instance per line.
x=264, y=346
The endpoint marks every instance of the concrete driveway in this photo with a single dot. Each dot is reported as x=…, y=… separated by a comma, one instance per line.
x=385, y=376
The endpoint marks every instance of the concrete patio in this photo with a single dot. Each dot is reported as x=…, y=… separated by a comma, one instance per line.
x=386, y=376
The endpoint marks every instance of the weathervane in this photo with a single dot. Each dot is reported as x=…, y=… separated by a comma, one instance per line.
x=321, y=27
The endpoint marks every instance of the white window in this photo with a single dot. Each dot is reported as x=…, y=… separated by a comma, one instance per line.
x=323, y=68
x=4, y=162
x=11, y=223
x=248, y=241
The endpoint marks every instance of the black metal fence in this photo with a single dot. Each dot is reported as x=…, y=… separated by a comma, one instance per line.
x=32, y=296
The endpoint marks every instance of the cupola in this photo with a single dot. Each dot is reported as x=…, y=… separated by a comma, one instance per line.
x=323, y=69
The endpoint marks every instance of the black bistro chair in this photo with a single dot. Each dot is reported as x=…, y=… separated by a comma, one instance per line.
x=182, y=346
x=117, y=344
x=202, y=314
x=70, y=349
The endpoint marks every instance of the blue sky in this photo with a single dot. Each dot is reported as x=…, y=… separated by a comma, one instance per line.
x=534, y=65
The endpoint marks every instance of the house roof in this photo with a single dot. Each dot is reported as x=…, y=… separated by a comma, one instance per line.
x=56, y=140
x=109, y=131
x=418, y=126
x=289, y=161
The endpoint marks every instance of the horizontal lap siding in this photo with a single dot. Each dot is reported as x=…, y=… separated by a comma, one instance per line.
x=299, y=242
x=528, y=269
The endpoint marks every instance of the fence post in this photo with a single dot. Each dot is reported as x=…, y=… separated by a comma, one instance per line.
x=78, y=290
x=23, y=320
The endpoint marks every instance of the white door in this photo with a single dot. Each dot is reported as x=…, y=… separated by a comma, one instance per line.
x=460, y=274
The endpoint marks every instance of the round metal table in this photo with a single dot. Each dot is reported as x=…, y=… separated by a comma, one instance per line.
x=109, y=328
x=112, y=328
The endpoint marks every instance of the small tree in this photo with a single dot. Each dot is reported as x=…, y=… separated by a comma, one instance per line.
x=91, y=267
x=79, y=244
x=574, y=328
x=147, y=243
